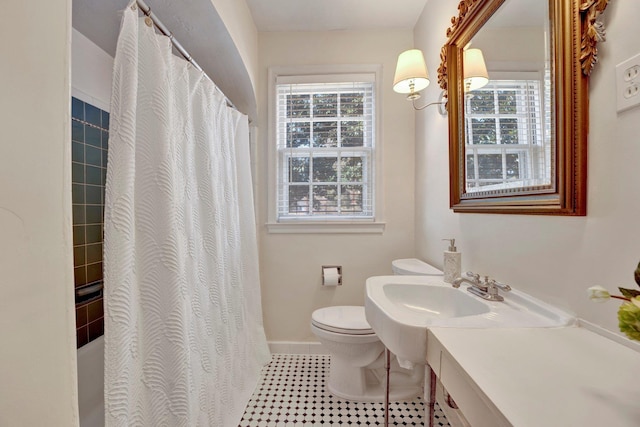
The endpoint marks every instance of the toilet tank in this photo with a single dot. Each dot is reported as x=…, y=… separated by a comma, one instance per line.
x=413, y=267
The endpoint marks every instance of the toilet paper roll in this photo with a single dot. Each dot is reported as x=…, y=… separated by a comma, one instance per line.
x=330, y=277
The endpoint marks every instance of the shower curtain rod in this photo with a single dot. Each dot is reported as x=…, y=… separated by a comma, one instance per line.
x=164, y=30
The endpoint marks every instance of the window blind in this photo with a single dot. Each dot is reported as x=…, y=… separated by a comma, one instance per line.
x=325, y=142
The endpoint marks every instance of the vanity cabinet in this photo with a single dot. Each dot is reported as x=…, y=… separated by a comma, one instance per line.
x=453, y=414
x=473, y=407
x=532, y=377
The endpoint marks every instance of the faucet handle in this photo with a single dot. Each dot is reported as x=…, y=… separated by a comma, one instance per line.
x=474, y=276
x=501, y=286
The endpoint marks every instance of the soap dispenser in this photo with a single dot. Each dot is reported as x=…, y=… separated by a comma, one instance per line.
x=452, y=262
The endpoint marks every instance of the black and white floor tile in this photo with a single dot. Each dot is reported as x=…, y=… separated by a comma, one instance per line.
x=292, y=392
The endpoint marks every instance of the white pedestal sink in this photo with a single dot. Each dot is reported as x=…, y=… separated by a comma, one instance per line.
x=400, y=309
x=432, y=301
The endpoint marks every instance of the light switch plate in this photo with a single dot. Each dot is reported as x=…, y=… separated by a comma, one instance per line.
x=628, y=83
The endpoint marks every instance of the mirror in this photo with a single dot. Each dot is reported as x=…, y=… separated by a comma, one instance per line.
x=518, y=140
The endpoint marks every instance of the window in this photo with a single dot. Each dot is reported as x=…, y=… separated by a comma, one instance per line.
x=507, y=137
x=325, y=148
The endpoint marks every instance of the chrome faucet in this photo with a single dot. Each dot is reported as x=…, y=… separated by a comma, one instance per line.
x=475, y=280
x=487, y=289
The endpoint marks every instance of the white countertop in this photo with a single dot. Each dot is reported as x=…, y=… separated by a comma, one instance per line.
x=546, y=377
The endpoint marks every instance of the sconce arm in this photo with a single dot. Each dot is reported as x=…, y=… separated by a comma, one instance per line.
x=442, y=101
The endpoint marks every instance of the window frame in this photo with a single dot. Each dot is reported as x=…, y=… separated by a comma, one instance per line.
x=326, y=223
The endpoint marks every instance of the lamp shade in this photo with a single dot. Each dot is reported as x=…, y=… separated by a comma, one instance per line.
x=475, y=70
x=411, y=72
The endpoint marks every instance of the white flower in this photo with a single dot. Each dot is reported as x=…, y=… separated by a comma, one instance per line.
x=599, y=294
x=636, y=301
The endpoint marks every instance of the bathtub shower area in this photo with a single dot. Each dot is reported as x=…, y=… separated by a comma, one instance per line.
x=89, y=143
x=91, y=89
x=168, y=306
x=89, y=153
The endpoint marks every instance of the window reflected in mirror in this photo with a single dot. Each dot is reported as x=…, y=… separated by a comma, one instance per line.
x=508, y=120
x=508, y=134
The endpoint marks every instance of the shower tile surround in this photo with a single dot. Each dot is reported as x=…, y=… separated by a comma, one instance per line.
x=292, y=392
x=89, y=143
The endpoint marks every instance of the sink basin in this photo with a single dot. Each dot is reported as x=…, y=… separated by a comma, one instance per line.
x=400, y=309
x=433, y=301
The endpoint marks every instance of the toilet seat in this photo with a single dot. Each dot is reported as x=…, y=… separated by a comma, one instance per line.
x=347, y=320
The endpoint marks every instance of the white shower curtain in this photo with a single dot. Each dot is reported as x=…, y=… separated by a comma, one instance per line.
x=183, y=322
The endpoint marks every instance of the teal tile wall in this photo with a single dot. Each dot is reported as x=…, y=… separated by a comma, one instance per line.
x=89, y=142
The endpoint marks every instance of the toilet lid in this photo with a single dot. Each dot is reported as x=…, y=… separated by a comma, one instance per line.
x=342, y=319
x=414, y=267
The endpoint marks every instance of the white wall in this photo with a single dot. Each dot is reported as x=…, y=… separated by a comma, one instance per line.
x=291, y=263
x=554, y=258
x=91, y=72
x=237, y=18
x=37, y=316
x=503, y=46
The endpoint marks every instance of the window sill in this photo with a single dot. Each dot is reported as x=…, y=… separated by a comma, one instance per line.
x=326, y=227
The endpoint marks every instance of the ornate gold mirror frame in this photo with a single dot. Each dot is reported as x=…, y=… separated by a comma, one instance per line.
x=574, y=35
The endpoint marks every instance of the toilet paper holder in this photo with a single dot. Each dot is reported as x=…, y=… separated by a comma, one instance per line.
x=337, y=267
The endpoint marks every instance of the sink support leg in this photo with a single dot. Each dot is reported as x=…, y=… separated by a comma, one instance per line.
x=387, y=385
x=430, y=394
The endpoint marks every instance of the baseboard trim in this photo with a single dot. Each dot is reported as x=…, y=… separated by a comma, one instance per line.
x=294, y=347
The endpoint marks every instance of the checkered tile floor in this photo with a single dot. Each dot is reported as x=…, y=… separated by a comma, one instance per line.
x=292, y=392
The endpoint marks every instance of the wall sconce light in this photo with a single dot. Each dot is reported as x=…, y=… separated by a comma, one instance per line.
x=475, y=70
x=412, y=76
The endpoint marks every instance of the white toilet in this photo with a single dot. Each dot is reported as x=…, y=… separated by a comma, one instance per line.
x=357, y=355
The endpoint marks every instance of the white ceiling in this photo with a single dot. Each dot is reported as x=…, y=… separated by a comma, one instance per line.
x=330, y=15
